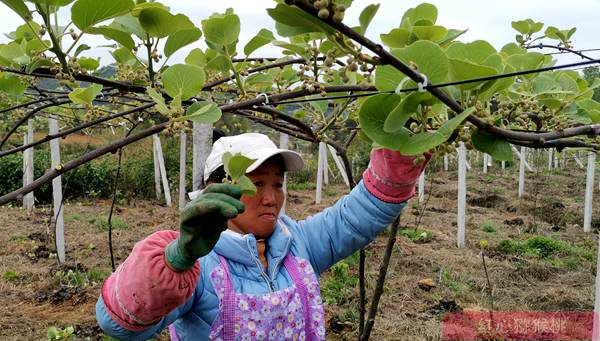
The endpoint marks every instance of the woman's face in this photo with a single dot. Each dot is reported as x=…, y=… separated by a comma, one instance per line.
x=262, y=209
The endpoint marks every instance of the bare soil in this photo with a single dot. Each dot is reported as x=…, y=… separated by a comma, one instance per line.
x=38, y=293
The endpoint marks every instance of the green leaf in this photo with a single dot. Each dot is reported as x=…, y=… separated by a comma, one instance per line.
x=159, y=23
x=236, y=165
x=89, y=64
x=498, y=148
x=35, y=46
x=27, y=33
x=110, y=33
x=57, y=3
x=591, y=108
x=397, y=37
x=295, y=48
x=141, y=6
x=246, y=185
x=512, y=48
x=263, y=37
x=476, y=51
x=527, y=26
x=428, y=57
x=129, y=24
x=11, y=85
x=423, y=142
x=19, y=7
x=180, y=39
x=526, y=61
x=422, y=13
x=299, y=20
x=13, y=53
x=161, y=106
x=451, y=35
x=202, y=112
x=85, y=96
x=124, y=55
x=372, y=116
x=433, y=33
x=221, y=30
x=196, y=57
x=263, y=81
x=387, y=77
x=464, y=70
x=404, y=110
x=87, y=13
x=366, y=16
x=81, y=48
x=183, y=78
x=219, y=63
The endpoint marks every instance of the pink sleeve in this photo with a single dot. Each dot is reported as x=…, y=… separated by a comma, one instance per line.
x=144, y=289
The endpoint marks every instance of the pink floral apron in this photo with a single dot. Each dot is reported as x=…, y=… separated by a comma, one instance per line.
x=295, y=313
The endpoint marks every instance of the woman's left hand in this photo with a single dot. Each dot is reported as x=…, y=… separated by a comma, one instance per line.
x=392, y=176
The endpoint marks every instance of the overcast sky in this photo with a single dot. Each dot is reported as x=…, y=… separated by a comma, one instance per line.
x=488, y=20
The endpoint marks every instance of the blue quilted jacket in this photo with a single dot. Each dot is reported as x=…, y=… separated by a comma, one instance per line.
x=323, y=239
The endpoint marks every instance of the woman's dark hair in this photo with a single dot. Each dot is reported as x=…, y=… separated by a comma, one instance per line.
x=218, y=174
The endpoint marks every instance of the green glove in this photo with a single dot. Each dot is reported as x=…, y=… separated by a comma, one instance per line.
x=202, y=221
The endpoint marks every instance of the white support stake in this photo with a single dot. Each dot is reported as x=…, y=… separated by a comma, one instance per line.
x=157, y=188
x=163, y=171
x=446, y=162
x=339, y=164
x=323, y=155
x=182, y=162
x=462, y=195
x=519, y=155
x=503, y=164
x=422, y=187
x=549, y=158
x=589, y=192
x=556, y=160
x=58, y=208
x=467, y=164
x=201, y=147
x=485, y=163
x=522, y=164
x=283, y=144
x=578, y=160
x=319, y=176
x=28, y=167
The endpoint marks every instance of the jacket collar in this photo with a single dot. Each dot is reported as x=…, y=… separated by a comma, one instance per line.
x=242, y=248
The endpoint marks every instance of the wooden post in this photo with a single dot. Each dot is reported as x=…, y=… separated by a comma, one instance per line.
x=28, y=168
x=182, y=168
x=522, y=163
x=283, y=144
x=157, y=188
x=163, y=171
x=596, y=324
x=339, y=164
x=202, y=144
x=58, y=209
x=589, y=192
x=462, y=194
x=319, y=175
x=446, y=162
x=422, y=187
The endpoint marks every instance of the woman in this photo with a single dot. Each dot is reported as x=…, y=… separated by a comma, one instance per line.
x=237, y=269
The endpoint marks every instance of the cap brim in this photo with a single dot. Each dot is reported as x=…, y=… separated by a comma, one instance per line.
x=293, y=161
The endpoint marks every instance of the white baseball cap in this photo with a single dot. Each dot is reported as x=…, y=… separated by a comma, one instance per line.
x=251, y=145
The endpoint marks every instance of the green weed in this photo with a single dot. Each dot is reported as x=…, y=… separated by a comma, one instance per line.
x=11, y=276
x=337, y=287
x=488, y=226
x=417, y=235
x=83, y=279
x=449, y=282
x=19, y=239
x=55, y=333
x=544, y=247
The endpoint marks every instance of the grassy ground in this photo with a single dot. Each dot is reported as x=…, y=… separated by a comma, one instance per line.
x=537, y=255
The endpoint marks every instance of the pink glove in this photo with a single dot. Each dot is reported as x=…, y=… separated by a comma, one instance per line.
x=391, y=176
x=144, y=288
